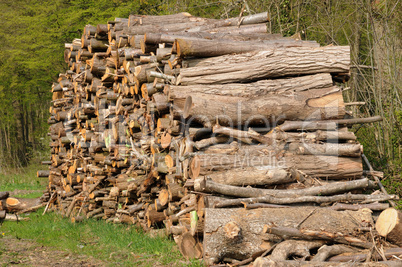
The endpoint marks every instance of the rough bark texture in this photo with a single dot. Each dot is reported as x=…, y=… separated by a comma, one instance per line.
x=267, y=64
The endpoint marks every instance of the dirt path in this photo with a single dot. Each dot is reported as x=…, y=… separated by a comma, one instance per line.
x=26, y=252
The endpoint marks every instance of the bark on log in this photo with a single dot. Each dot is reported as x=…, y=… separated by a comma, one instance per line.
x=198, y=47
x=325, y=252
x=389, y=225
x=209, y=186
x=329, y=167
x=267, y=64
x=306, y=234
x=299, y=248
x=306, y=199
x=254, y=176
x=324, y=125
x=43, y=173
x=157, y=38
x=251, y=239
x=359, y=257
x=263, y=102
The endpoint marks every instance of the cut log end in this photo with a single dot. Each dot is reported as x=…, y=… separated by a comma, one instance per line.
x=389, y=225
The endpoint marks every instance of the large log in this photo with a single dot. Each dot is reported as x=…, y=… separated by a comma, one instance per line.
x=254, y=176
x=264, y=102
x=266, y=64
x=331, y=167
x=238, y=233
x=156, y=38
x=198, y=47
x=209, y=186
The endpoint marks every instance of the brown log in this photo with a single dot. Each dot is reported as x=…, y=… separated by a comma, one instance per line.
x=13, y=204
x=189, y=247
x=157, y=38
x=306, y=234
x=305, y=199
x=248, y=104
x=389, y=225
x=359, y=257
x=267, y=64
x=228, y=157
x=299, y=248
x=325, y=252
x=209, y=186
x=254, y=176
x=198, y=47
x=371, y=206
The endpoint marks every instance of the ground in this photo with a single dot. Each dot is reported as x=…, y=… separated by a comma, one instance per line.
x=26, y=252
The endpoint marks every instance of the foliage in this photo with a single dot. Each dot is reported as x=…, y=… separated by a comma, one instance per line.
x=111, y=243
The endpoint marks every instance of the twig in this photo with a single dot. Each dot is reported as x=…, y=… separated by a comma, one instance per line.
x=308, y=216
x=48, y=203
x=382, y=188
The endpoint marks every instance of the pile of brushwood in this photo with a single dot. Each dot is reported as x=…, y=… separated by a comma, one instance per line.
x=232, y=140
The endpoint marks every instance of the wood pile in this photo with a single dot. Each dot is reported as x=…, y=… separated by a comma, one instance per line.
x=232, y=139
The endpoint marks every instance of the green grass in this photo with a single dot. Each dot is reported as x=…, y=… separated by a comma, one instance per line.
x=24, y=179
x=114, y=244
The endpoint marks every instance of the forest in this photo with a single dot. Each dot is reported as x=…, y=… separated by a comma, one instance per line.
x=33, y=34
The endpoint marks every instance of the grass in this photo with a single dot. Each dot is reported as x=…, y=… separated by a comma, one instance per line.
x=22, y=179
x=114, y=244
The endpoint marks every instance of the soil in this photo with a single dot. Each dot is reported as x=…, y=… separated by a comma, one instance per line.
x=26, y=252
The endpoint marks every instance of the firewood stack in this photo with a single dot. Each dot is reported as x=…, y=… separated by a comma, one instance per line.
x=231, y=138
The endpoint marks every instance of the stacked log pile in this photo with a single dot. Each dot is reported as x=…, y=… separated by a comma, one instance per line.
x=231, y=138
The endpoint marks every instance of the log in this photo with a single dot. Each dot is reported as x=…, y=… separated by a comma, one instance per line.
x=209, y=186
x=324, y=125
x=389, y=225
x=19, y=204
x=359, y=257
x=43, y=173
x=267, y=64
x=198, y=47
x=306, y=234
x=329, y=167
x=261, y=102
x=325, y=252
x=252, y=240
x=254, y=176
x=307, y=199
x=157, y=38
x=299, y=248
x=371, y=206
